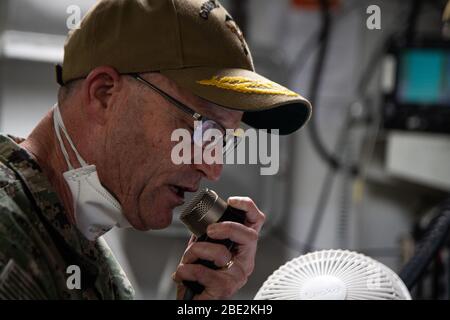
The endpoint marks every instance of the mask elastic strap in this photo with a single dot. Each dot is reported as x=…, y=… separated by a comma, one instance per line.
x=59, y=124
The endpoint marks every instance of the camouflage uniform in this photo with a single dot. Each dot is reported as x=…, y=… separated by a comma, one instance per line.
x=37, y=242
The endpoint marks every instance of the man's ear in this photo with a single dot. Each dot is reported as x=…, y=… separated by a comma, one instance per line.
x=100, y=91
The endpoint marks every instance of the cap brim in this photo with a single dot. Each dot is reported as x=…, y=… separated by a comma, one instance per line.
x=266, y=104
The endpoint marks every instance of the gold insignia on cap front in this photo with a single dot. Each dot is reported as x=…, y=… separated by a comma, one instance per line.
x=247, y=85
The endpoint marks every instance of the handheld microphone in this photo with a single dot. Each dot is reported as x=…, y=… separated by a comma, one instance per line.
x=204, y=209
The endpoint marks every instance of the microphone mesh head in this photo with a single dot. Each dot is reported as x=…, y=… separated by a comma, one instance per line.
x=205, y=208
x=201, y=203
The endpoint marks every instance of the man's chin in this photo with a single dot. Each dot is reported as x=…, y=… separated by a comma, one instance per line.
x=162, y=220
x=161, y=224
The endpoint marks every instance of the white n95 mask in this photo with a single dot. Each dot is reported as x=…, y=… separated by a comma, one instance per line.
x=96, y=210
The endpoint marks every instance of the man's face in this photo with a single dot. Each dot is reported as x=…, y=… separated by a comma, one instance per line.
x=136, y=158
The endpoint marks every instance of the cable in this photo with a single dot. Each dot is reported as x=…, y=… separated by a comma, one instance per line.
x=331, y=159
x=314, y=90
x=308, y=49
x=345, y=199
x=313, y=42
x=412, y=20
x=334, y=163
x=435, y=236
x=303, y=247
x=316, y=140
x=316, y=80
x=365, y=79
x=326, y=188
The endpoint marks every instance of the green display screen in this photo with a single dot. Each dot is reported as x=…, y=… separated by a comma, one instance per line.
x=424, y=77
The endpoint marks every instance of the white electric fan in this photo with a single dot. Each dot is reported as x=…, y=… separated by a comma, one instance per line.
x=333, y=275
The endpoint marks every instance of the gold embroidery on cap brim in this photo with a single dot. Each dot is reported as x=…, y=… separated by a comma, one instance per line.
x=247, y=85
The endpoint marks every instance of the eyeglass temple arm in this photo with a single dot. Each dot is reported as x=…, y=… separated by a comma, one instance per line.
x=177, y=103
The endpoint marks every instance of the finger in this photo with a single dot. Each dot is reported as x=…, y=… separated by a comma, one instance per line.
x=253, y=214
x=174, y=278
x=199, y=273
x=192, y=240
x=217, y=284
x=214, y=252
x=236, y=232
x=190, y=272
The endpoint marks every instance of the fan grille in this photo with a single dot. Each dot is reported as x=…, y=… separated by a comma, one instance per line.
x=363, y=278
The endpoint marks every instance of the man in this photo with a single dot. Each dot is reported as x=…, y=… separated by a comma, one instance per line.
x=133, y=72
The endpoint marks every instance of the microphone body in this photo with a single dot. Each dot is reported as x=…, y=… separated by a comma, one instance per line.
x=207, y=208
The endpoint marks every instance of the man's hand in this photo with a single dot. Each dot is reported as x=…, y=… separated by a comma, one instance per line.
x=236, y=267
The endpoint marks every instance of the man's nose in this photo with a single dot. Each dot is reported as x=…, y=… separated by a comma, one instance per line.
x=210, y=171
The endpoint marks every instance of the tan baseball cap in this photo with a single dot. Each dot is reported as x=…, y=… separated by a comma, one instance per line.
x=196, y=43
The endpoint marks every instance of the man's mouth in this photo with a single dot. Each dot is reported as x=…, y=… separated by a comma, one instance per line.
x=180, y=190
